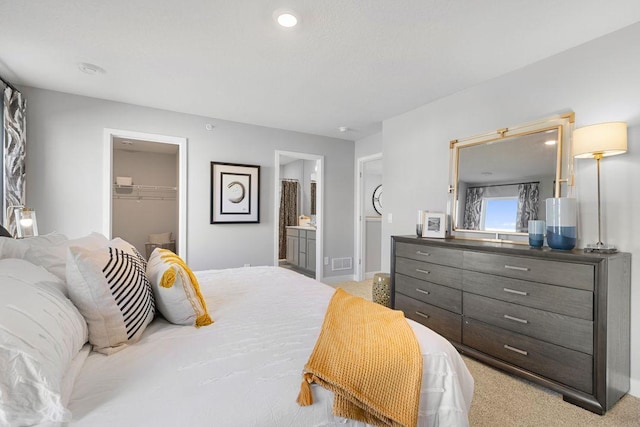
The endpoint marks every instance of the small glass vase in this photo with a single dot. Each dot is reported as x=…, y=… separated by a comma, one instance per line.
x=561, y=221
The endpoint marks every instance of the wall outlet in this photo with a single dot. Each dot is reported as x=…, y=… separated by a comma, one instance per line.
x=326, y=260
x=247, y=265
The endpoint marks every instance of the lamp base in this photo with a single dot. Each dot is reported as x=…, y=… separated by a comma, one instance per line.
x=601, y=248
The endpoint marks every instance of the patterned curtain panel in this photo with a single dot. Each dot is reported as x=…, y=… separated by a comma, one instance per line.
x=288, y=213
x=473, y=208
x=528, y=203
x=313, y=198
x=14, y=137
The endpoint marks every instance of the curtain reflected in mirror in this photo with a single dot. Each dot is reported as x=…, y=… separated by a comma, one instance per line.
x=313, y=198
x=500, y=178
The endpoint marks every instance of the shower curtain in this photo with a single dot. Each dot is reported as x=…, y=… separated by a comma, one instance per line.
x=288, y=213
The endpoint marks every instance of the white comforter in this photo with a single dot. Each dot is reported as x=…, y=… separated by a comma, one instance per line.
x=245, y=369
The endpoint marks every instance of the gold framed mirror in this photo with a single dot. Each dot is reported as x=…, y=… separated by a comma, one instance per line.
x=500, y=180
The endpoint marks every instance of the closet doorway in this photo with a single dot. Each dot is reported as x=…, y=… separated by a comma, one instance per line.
x=298, y=214
x=145, y=190
x=370, y=205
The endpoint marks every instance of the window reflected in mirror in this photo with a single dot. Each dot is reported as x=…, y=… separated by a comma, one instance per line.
x=502, y=183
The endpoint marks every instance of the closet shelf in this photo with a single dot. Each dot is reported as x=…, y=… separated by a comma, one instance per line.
x=144, y=192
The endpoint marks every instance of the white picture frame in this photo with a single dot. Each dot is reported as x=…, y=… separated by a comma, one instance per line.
x=435, y=225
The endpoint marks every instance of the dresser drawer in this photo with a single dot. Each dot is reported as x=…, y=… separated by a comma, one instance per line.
x=434, y=273
x=438, y=295
x=569, y=332
x=433, y=254
x=568, y=301
x=447, y=324
x=579, y=276
x=557, y=363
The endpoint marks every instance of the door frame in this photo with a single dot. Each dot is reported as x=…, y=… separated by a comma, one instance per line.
x=319, y=206
x=360, y=223
x=108, y=136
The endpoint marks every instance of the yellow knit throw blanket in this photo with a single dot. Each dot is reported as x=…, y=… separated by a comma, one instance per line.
x=368, y=356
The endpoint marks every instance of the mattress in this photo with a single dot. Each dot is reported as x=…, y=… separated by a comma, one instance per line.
x=245, y=369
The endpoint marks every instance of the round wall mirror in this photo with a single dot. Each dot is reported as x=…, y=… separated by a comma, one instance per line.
x=377, y=203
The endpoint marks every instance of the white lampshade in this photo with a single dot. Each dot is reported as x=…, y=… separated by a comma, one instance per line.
x=604, y=139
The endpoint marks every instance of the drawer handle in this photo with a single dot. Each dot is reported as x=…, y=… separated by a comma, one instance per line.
x=426, y=316
x=423, y=253
x=422, y=291
x=514, y=267
x=517, y=350
x=515, y=319
x=513, y=291
x=422, y=271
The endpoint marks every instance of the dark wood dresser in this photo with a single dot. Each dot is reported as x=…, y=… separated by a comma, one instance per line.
x=557, y=318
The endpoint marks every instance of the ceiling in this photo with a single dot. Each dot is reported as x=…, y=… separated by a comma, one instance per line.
x=348, y=63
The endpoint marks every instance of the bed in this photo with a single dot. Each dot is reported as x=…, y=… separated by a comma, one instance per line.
x=242, y=370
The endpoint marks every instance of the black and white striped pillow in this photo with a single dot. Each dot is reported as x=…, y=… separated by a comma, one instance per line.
x=110, y=288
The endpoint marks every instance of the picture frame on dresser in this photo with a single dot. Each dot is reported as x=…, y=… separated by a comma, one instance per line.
x=235, y=193
x=435, y=225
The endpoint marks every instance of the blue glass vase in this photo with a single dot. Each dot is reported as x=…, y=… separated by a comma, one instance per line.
x=561, y=223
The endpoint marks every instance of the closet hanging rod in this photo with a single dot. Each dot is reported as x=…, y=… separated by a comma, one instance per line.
x=289, y=179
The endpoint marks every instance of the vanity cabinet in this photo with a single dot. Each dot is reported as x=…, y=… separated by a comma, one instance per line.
x=292, y=246
x=557, y=318
x=301, y=248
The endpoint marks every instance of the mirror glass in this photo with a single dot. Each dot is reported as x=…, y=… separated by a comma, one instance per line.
x=501, y=180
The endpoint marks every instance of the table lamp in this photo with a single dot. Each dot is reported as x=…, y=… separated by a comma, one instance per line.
x=26, y=224
x=595, y=142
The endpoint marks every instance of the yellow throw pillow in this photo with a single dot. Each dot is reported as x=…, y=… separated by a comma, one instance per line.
x=176, y=290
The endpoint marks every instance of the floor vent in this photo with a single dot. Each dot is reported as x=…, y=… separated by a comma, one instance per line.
x=341, y=264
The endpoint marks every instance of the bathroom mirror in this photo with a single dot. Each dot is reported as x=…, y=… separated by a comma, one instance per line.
x=501, y=179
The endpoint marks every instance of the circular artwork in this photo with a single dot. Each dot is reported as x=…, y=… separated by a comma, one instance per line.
x=235, y=192
x=377, y=203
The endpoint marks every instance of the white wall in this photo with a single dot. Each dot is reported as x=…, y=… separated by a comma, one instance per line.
x=65, y=161
x=599, y=81
x=372, y=144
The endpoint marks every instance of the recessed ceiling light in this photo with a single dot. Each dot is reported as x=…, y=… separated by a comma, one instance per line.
x=550, y=142
x=486, y=173
x=286, y=18
x=90, y=69
x=343, y=128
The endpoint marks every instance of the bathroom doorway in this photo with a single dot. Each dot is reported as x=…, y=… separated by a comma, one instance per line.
x=298, y=238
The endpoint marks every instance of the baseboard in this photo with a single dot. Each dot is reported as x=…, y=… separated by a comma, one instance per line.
x=337, y=279
x=634, y=390
x=370, y=274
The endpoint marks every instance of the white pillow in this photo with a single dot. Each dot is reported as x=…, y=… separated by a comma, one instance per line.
x=176, y=290
x=54, y=257
x=23, y=270
x=41, y=332
x=110, y=288
x=16, y=248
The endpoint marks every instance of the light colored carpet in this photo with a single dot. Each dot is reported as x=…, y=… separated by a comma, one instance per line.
x=359, y=289
x=500, y=399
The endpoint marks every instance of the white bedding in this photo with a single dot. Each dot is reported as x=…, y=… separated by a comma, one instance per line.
x=245, y=369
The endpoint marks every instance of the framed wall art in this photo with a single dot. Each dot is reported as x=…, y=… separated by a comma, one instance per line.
x=435, y=225
x=235, y=193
